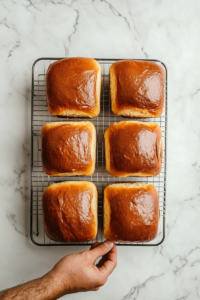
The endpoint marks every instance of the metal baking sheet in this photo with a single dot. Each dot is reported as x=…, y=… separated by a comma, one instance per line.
x=101, y=178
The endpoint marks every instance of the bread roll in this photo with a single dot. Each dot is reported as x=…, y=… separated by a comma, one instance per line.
x=70, y=211
x=133, y=149
x=131, y=212
x=137, y=88
x=73, y=87
x=68, y=148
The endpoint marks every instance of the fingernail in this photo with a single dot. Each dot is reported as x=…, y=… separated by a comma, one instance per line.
x=108, y=244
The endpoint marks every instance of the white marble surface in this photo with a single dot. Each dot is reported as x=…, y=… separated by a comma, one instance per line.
x=165, y=30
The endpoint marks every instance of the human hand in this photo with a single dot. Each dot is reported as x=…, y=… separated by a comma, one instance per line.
x=78, y=272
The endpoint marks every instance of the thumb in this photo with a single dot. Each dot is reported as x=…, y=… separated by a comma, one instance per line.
x=94, y=245
x=101, y=249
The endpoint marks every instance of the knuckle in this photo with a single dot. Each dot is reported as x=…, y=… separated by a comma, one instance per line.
x=102, y=281
x=87, y=255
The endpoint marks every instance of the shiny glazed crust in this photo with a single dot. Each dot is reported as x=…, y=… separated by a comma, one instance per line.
x=91, y=166
x=109, y=153
x=56, y=90
x=117, y=225
x=131, y=67
x=70, y=211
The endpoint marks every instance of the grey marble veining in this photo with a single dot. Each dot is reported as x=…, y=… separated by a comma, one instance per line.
x=165, y=30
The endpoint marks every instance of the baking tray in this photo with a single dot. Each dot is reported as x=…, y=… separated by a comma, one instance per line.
x=101, y=178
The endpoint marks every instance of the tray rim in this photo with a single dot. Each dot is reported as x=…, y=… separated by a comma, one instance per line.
x=31, y=157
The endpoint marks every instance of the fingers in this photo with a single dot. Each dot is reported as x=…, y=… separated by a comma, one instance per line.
x=108, y=262
x=94, y=245
x=102, y=261
x=101, y=249
x=108, y=266
x=96, y=289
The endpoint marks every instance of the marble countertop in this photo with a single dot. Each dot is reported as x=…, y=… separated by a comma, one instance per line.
x=164, y=30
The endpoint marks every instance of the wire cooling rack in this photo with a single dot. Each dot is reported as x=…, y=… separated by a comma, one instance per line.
x=101, y=178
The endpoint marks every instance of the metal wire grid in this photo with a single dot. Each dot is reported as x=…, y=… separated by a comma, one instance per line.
x=101, y=178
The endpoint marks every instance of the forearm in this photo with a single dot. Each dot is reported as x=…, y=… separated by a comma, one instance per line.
x=44, y=288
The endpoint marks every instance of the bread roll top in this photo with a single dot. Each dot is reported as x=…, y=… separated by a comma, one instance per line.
x=131, y=212
x=68, y=148
x=70, y=211
x=137, y=88
x=133, y=149
x=73, y=87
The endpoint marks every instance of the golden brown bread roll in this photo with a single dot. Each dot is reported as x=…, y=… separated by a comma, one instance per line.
x=73, y=87
x=68, y=148
x=70, y=211
x=131, y=212
x=133, y=149
x=137, y=88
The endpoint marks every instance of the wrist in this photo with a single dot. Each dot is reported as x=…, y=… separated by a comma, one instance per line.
x=51, y=286
x=58, y=288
